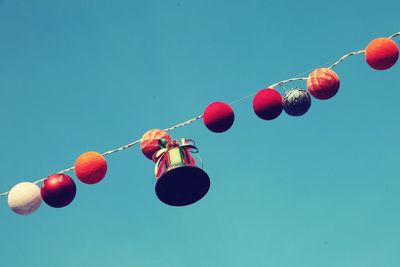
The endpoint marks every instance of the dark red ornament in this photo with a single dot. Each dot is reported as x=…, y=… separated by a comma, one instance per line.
x=218, y=117
x=267, y=104
x=58, y=190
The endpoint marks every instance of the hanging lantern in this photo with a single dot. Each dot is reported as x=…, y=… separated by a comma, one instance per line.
x=296, y=102
x=218, y=117
x=24, y=198
x=90, y=167
x=58, y=190
x=179, y=181
x=381, y=53
x=323, y=83
x=149, y=142
x=267, y=104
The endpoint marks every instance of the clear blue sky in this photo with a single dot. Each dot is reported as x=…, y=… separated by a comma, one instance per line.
x=319, y=190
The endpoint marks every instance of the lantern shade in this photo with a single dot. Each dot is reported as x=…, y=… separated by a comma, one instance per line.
x=24, y=198
x=58, y=190
x=182, y=186
x=296, y=102
x=149, y=143
x=381, y=53
x=267, y=104
x=323, y=83
x=90, y=167
x=218, y=117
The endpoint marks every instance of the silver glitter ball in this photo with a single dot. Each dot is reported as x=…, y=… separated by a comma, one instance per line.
x=296, y=102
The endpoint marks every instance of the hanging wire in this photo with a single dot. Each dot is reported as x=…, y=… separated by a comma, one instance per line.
x=118, y=149
x=345, y=57
x=185, y=123
x=288, y=80
x=241, y=99
x=394, y=35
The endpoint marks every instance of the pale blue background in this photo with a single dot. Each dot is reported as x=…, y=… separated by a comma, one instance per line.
x=320, y=190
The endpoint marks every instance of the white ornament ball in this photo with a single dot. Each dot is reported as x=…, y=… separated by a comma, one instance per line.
x=24, y=198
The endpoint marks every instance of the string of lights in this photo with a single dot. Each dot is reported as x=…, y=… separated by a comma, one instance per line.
x=300, y=94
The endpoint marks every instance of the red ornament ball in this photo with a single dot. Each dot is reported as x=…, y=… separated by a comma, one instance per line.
x=267, y=104
x=323, y=83
x=218, y=117
x=90, y=167
x=149, y=142
x=381, y=53
x=58, y=190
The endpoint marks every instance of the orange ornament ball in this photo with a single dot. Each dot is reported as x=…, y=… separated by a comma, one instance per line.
x=90, y=167
x=323, y=83
x=149, y=142
x=381, y=53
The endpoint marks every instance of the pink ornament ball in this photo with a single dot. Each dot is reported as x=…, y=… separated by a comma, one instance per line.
x=149, y=142
x=323, y=83
x=218, y=117
x=267, y=104
x=381, y=53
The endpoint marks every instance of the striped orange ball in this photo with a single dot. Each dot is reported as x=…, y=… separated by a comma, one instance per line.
x=90, y=167
x=323, y=83
x=149, y=142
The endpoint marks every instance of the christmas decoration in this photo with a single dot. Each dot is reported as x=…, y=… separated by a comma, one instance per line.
x=179, y=181
x=323, y=83
x=58, y=190
x=149, y=142
x=24, y=198
x=267, y=104
x=90, y=167
x=218, y=117
x=381, y=53
x=296, y=102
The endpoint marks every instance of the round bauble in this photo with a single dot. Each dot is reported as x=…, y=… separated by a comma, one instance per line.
x=323, y=83
x=267, y=104
x=296, y=102
x=218, y=117
x=24, y=198
x=381, y=53
x=90, y=167
x=149, y=143
x=58, y=190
